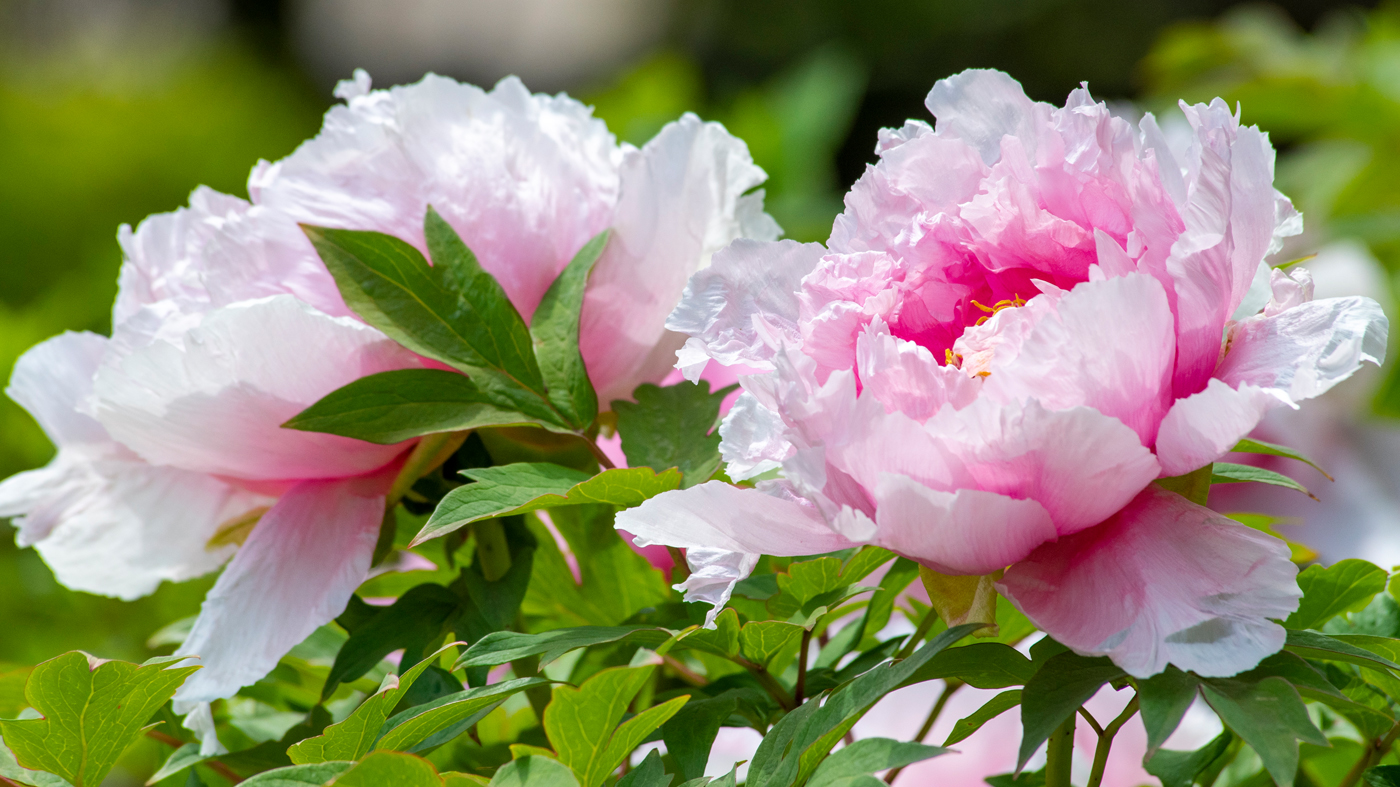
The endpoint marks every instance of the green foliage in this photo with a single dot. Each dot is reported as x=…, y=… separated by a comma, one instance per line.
x=1230, y=473
x=1181, y=768
x=431, y=724
x=673, y=426
x=1348, y=585
x=299, y=775
x=583, y=723
x=1270, y=717
x=1055, y=693
x=994, y=707
x=391, y=407
x=1251, y=446
x=523, y=487
x=92, y=711
x=554, y=328
x=856, y=764
x=534, y=771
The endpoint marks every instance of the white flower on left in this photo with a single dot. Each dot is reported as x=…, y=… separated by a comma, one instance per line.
x=227, y=324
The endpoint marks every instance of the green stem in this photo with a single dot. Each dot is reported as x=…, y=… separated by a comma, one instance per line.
x=1370, y=757
x=769, y=683
x=918, y=635
x=949, y=687
x=492, y=549
x=1059, y=752
x=801, y=687
x=1106, y=742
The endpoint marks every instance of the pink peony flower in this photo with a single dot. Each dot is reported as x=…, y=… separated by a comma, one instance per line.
x=228, y=324
x=1020, y=321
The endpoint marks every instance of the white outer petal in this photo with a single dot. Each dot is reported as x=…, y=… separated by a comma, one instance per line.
x=753, y=440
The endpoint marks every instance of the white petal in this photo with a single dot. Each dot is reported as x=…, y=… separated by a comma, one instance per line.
x=215, y=402
x=753, y=440
x=295, y=573
x=1307, y=349
x=680, y=202
x=744, y=307
x=713, y=573
x=52, y=379
x=980, y=106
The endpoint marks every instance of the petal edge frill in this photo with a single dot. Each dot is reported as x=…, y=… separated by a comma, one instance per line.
x=295, y=573
x=1163, y=581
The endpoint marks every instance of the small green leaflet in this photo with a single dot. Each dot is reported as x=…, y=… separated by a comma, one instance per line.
x=391, y=407
x=582, y=723
x=1180, y=768
x=517, y=488
x=503, y=647
x=1311, y=645
x=984, y=665
x=413, y=622
x=355, y=736
x=1055, y=694
x=424, y=726
x=1384, y=776
x=92, y=711
x=1270, y=717
x=1230, y=473
x=994, y=707
x=555, y=331
x=690, y=734
x=384, y=768
x=1328, y=591
x=865, y=757
x=673, y=426
x=534, y=771
x=182, y=758
x=1248, y=446
x=650, y=773
x=1163, y=700
x=313, y=775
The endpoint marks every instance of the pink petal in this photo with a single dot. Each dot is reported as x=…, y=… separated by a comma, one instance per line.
x=682, y=199
x=215, y=401
x=1163, y=581
x=906, y=377
x=51, y=381
x=294, y=574
x=1203, y=427
x=981, y=106
x=1107, y=345
x=965, y=532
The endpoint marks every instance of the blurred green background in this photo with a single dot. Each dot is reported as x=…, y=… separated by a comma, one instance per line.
x=113, y=110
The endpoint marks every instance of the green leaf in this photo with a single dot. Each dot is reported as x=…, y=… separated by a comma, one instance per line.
x=649, y=773
x=806, y=581
x=582, y=723
x=796, y=745
x=1194, y=486
x=355, y=736
x=92, y=711
x=866, y=756
x=881, y=606
x=1180, y=768
x=390, y=767
x=391, y=407
x=1270, y=717
x=10, y=769
x=534, y=771
x=503, y=647
x=1311, y=645
x=690, y=734
x=1383, y=776
x=1230, y=473
x=994, y=707
x=518, y=488
x=315, y=774
x=1055, y=693
x=672, y=427
x=1345, y=586
x=451, y=311
x=1163, y=700
x=764, y=641
x=425, y=726
x=984, y=665
x=555, y=328
x=413, y=622
x=1249, y=446
x=722, y=640
x=865, y=560
x=180, y=759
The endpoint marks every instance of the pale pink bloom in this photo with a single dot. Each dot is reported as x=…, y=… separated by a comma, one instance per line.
x=228, y=324
x=1016, y=327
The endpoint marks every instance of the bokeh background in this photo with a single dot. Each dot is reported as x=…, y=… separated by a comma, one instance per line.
x=114, y=109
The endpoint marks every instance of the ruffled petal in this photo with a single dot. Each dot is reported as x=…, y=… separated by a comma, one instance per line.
x=1204, y=427
x=744, y=307
x=980, y=106
x=969, y=531
x=51, y=381
x=713, y=573
x=906, y=377
x=295, y=572
x=679, y=204
x=215, y=402
x=1163, y=581
x=753, y=439
x=1305, y=350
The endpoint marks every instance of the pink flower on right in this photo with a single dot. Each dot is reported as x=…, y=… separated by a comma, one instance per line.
x=1021, y=320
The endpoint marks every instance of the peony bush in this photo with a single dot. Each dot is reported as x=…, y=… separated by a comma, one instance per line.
x=416, y=399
